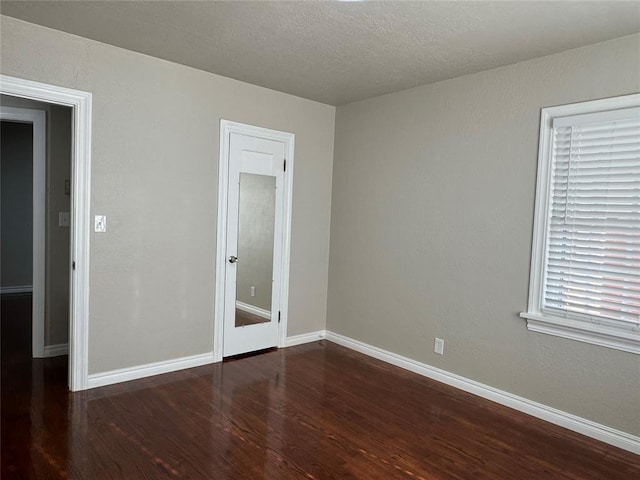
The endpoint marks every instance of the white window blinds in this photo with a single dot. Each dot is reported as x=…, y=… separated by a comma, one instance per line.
x=592, y=258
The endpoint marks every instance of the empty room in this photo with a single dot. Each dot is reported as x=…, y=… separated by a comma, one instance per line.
x=320, y=239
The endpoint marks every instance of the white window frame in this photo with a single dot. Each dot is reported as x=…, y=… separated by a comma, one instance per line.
x=613, y=336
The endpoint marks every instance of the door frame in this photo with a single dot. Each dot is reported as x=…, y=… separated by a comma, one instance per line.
x=226, y=128
x=81, y=103
x=38, y=119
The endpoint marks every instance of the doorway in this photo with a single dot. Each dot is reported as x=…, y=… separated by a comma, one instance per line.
x=79, y=222
x=254, y=224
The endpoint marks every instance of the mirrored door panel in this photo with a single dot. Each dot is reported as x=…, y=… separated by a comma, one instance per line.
x=256, y=219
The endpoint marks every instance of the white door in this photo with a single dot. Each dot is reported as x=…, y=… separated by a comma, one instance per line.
x=254, y=243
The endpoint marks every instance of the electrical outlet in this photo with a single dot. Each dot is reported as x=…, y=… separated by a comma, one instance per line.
x=253, y=291
x=438, y=346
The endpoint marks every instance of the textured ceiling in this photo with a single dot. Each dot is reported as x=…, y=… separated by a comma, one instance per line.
x=338, y=52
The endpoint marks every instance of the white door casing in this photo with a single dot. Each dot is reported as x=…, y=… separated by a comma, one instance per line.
x=80, y=102
x=259, y=151
x=37, y=118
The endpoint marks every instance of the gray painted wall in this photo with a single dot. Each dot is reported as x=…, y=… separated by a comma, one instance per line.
x=430, y=230
x=16, y=224
x=155, y=150
x=256, y=217
x=58, y=238
x=432, y=220
x=59, y=132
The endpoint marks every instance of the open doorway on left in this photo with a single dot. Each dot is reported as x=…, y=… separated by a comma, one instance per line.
x=36, y=205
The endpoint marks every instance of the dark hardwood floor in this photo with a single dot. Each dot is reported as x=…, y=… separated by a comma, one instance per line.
x=315, y=411
x=245, y=318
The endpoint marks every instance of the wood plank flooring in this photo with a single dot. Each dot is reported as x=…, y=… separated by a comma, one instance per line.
x=245, y=318
x=316, y=411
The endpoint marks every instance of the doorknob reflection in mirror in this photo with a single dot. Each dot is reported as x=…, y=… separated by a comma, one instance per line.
x=233, y=259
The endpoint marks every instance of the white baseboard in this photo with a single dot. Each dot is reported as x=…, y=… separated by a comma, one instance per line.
x=16, y=289
x=56, y=350
x=305, y=338
x=569, y=421
x=261, y=312
x=148, y=370
x=581, y=425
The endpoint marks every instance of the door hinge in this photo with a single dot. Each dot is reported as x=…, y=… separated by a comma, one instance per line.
x=285, y=164
x=73, y=265
x=278, y=317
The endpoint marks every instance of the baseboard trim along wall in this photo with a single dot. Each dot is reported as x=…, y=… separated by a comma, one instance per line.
x=148, y=370
x=56, y=350
x=569, y=421
x=16, y=289
x=261, y=312
x=305, y=338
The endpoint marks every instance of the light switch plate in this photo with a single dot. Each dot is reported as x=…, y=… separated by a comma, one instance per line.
x=100, y=223
x=64, y=219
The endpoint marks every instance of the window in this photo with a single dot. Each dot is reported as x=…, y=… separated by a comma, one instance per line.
x=585, y=265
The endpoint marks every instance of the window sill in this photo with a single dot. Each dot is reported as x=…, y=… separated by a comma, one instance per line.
x=618, y=339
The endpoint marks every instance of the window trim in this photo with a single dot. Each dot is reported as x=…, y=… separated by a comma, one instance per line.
x=616, y=337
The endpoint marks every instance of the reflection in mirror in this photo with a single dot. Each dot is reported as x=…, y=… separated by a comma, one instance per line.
x=256, y=218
